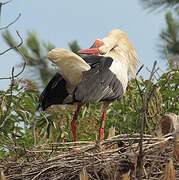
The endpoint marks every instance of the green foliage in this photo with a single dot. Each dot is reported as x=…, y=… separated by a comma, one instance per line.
x=16, y=117
x=169, y=89
x=169, y=47
x=35, y=54
x=74, y=47
x=154, y=4
x=22, y=126
x=171, y=35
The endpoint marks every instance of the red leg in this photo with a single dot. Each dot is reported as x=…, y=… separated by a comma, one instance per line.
x=73, y=125
x=103, y=119
x=101, y=130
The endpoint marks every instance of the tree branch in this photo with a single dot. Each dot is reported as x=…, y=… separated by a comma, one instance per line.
x=143, y=111
x=5, y=2
x=5, y=116
x=5, y=27
x=25, y=62
x=140, y=91
x=139, y=69
x=14, y=47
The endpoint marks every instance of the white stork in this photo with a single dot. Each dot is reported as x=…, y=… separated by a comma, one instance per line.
x=102, y=75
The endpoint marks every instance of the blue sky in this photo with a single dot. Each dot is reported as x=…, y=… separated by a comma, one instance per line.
x=63, y=21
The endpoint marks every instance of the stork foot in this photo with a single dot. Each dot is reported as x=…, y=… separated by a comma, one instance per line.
x=101, y=134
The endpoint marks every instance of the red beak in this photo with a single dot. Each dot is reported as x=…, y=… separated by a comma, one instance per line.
x=94, y=48
x=89, y=51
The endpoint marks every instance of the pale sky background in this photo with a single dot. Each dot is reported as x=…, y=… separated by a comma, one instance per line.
x=61, y=21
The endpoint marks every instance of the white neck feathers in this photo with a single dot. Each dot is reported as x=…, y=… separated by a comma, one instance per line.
x=117, y=45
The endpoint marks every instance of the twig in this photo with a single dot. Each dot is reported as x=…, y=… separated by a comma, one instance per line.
x=14, y=47
x=154, y=72
x=45, y=134
x=68, y=165
x=25, y=61
x=5, y=27
x=34, y=133
x=53, y=166
x=139, y=69
x=144, y=109
x=4, y=118
x=96, y=174
x=5, y=2
x=156, y=86
x=140, y=91
x=22, y=70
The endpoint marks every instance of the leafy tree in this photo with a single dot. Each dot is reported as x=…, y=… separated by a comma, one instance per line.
x=74, y=47
x=35, y=53
x=154, y=4
x=22, y=127
x=170, y=36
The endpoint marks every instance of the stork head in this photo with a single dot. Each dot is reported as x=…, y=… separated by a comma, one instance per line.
x=107, y=44
x=94, y=49
x=116, y=45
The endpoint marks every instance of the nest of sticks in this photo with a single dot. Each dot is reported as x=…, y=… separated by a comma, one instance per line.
x=114, y=158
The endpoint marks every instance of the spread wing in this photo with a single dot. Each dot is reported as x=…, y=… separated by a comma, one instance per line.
x=70, y=65
x=54, y=93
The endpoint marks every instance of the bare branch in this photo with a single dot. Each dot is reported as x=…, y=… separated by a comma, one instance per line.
x=148, y=85
x=154, y=72
x=25, y=62
x=139, y=69
x=5, y=116
x=143, y=110
x=140, y=91
x=17, y=73
x=5, y=27
x=5, y=2
x=21, y=42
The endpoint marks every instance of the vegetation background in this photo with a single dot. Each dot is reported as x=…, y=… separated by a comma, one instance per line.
x=22, y=125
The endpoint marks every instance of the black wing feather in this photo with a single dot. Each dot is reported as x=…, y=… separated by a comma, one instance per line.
x=54, y=93
x=92, y=60
x=99, y=83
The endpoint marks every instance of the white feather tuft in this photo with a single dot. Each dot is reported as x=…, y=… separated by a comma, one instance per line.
x=70, y=66
x=117, y=44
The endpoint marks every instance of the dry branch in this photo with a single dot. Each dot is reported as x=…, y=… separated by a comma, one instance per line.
x=19, y=51
x=5, y=116
x=144, y=97
x=169, y=173
x=4, y=3
x=14, y=47
x=5, y=27
x=70, y=162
